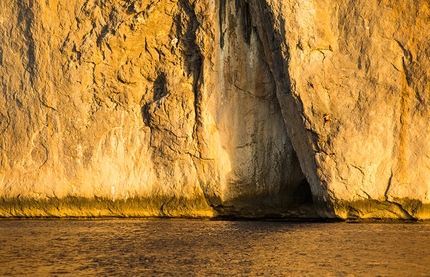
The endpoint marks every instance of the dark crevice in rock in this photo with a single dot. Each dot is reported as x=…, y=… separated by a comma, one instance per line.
x=187, y=24
x=159, y=87
x=388, y=185
x=263, y=19
x=193, y=57
x=159, y=91
x=222, y=21
x=303, y=194
x=405, y=213
x=244, y=14
x=103, y=33
x=241, y=18
x=26, y=18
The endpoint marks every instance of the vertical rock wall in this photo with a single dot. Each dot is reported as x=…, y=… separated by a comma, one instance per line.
x=99, y=101
x=192, y=108
x=258, y=168
x=140, y=108
x=353, y=89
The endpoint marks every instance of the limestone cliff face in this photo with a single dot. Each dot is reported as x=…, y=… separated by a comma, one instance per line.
x=140, y=108
x=197, y=108
x=353, y=84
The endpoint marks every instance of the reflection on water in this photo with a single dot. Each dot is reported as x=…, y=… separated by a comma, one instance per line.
x=211, y=248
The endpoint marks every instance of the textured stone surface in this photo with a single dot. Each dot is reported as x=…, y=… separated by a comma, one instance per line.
x=362, y=66
x=192, y=108
x=97, y=104
x=140, y=101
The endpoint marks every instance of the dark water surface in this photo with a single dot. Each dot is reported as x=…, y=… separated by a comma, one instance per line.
x=211, y=248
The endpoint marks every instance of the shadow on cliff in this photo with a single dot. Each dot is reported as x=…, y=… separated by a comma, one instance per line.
x=272, y=32
x=276, y=188
x=263, y=206
x=159, y=91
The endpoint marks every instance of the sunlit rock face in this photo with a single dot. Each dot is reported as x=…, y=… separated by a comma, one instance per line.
x=198, y=108
x=352, y=80
x=141, y=108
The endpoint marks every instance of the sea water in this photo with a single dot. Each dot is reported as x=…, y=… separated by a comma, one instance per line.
x=167, y=247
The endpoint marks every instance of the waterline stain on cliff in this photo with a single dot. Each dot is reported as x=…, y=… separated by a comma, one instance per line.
x=74, y=206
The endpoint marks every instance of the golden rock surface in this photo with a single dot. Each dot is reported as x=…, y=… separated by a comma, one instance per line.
x=215, y=108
